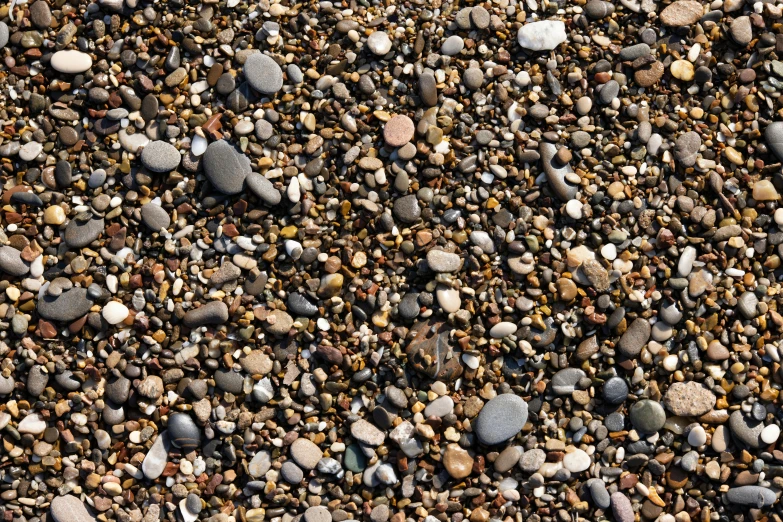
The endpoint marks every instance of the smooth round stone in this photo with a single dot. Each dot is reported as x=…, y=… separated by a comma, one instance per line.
x=11, y=262
x=354, y=459
x=305, y=453
x=263, y=74
x=443, y=262
x=183, y=432
x=66, y=307
x=398, y=130
x=773, y=135
x=83, y=230
x=68, y=508
x=622, y=508
x=226, y=167
x=576, y=461
x=599, y=493
x=407, y=209
x=564, y=382
x=155, y=217
x=745, y=429
x=615, y=422
x=379, y=43
x=115, y=312
x=317, y=514
x=214, y=312
x=155, y=461
x=502, y=329
x=697, y=437
x=500, y=419
x=448, y=299
x=647, y=416
x=770, y=434
x=30, y=151
x=634, y=338
x=615, y=390
x=532, y=460
x=473, y=78
x=291, y=473
x=452, y=46
x=755, y=496
x=71, y=62
x=260, y=464
x=160, y=156
x=3, y=34
x=263, y=188
x=440, y=407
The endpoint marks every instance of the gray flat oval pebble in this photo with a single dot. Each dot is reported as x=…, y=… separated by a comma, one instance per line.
x=226, y=167
x=214, y=312
x=263, y=188
x=11, y=262
x=155, y=217
x=66, y=307
x=500, y=419
x=68, y=508
x=263, y=74
x=160, y=156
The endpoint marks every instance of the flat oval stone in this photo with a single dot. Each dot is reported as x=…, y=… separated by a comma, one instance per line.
x=155, y=217
x=160, y=156
x=263, y=188
x=263, y=74
x=647, y=416
x=11, y=262
x=773, y=134
x=214, y=312
x=226, y=167
x=746, y=429
x=83, y=230
x=500, y=419
x=155, y=461
x=755, y=496
x=65, y=307
x=183, y=432
x=71, y=62
x=68, y=508
x=502, y=329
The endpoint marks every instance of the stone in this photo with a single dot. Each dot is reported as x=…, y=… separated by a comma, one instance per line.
x=379, y=43
x=263, y=73
x=443, y=262
x=155, y=461
x=635, y=338
x=226, y=167
x=305, y=453
x=500, y=419
x=457, y=461
x=755, y=496
x=68, y=508
x=615, y=390
x=291, y=473
x=263, y=188
x=747, y=304
x=452, y=46
x=741, y=30
x=367, y=433
x=556, y=174
x=502, y=329
x=622, y=508
x=745, y=429
x=689, y=399
x=687, y=145
x=398, y=130
x=160, y=156
x=681, y=13
x=407, y=209
x=317, y=514
x=532, y=460
x=599, y=494
x=71, y=62
x=155, y=217
x=440, y=407
x=647, y=416
x=83, y=230
x=183, y=432
x=576, y=461
x=66, y=307
x=545, y=35
x=11, y=261
x=214, y=312
x=773, y=135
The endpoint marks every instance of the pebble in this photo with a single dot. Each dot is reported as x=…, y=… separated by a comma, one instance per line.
x=647, y=416
x=71, y=62
x=160, y=156
x=68, y=508
x=542, y=36
x=226, y=167
x=263, y=73
x=500, y=419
